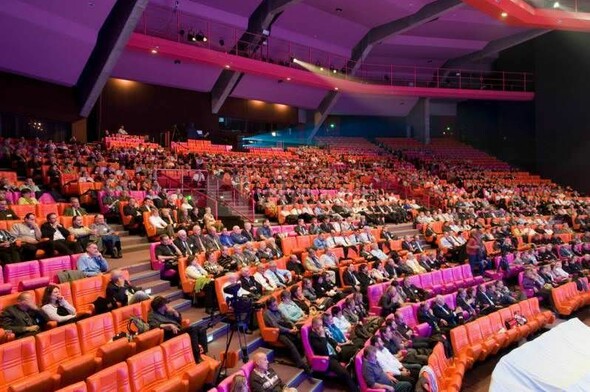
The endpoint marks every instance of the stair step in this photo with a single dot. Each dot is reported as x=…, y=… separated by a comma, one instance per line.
x=253, y=342
x=138, y=267
x=126, y=242
x=173, y=294
x=181, y=304
x=294, y=377
x=145, y=276
x=157, y=286
x=135, y=247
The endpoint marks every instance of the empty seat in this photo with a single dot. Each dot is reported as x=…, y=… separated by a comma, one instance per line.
x=61, y=355
x=20, y=371
x=488, y=346
x=147, y=372
x=122, y=315
x=449, y=280
x=180, y=362
x=85, y=292
x=51, y=266
x=96, y=334
x=77, y=387
x=24, y=276
x=111, y=379
x=5, y=288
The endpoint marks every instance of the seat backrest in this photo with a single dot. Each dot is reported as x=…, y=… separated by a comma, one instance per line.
x=77, y=387
x=358, y=367
x=51, y=266
x=178, y=354
x=457, y=273
x=57, y=345
x=495, y=321
x=305, y=241
x=525, y=308
x=64, y=288
x=156, y=264
x=17, y=272
x=147, y=369
x=22, y=210
x=448, y=276
x=450, y=300
x=219, y=282
x=414, y=279
x=459, y=338
x=305, y=341
x=473, y=332
x=374, y=293
x=19, y=360
x=408, y=315
x=44, y=209
x=426, y=281
x=85, y=292
x=113, y=378
x=485, y=326
x=226, y=384
x=506, y=314
x=466, y=269
x=247, y=369
x=436, y=278
x=10, y=299
x=122, y=315
x=95, y=331
x=288, y=244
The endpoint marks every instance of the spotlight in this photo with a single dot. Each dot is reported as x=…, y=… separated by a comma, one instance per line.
x=227, y=66
x=288, y=79
x=321, y=68
x=292, y=59
x=155, y=50
x=504, y=14
x=200, y=37
x=191, y=37
x=274, y=134
x=334, y=71
x=221, y=42
x=335, y=88
x=556, y=4
x=332, y=125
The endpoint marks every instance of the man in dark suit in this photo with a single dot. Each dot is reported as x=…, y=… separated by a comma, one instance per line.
x=198, y=240
x=425, y=315
x=414, y=293
x=212, y=241
x=248, y=231
x=23, y=318
x=324, y=346
x=185, y=244
x=486, y=304
x=131, y=209
x=59, y=236
x=6, y=212
x=249, y=283
x=349, y=278
x=301, y=229
x=446, y=316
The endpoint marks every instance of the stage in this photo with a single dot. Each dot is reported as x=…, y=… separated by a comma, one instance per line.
x=558, y=360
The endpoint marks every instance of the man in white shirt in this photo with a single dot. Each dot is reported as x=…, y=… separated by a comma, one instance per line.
x=233, y=279
x=280, y=277
x=390, y=363
x=161, y=226
x=378, y=253
x=266, y=283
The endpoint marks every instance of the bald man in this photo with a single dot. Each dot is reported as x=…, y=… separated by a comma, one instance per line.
x=264, y=379
x=23, y=318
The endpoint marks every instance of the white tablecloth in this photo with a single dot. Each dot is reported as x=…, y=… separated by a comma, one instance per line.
x=558, y=360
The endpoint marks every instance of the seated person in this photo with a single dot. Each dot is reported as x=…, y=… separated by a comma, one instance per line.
x=58, y=236
x=164, y=316
x=249, y=283
x=289, y=309
x=239, y=384
x=55, y=307
x=377, y=378
x=27, y=197
x=295, y=266
x=390, y=301
x=280, y=277
x=6, y=213
x=92, y=263
x=81, y=233
x=288, y=332
x=23, y=318
x=264, y=379
x=8, y=248
x=325, y=346
x=74, y=209
x=391, y=364
x=232, y=279
x=484, y=301
x=31, y=238
x=121, y=291
x=161, y=226
x=108, y=237
x=168, y=253
x=268, y=285
x=346, y=348
x=446, y=316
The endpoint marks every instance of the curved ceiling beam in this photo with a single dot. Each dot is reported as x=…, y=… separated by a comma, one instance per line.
x=520, y=13
x=110, y=42
x=362, y=49
x=261, y=19
x=241, y=65
x=492, y=48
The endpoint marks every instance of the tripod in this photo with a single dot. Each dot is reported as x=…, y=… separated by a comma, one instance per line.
x=238, y=320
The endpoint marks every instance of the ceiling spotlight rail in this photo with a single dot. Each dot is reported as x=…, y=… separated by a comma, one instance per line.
x=231, y=40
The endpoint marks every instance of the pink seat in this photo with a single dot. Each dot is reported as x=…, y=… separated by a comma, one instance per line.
x=374, y=293
x=408, y=314
x=226, y=384
x=156, y=264
x=437, y=281
x=24, y=276
x=51, y=266
x=247, y=369
x=467, y=275
x=316, y=362
x=458, y=277
x=5, y=288
x=358, y=367
x=449, y=280
x=426, y=282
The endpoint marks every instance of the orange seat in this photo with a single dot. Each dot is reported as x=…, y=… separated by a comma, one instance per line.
x=22, y=210
x=77, y=387
x=20, y=371
x=497, y=325
x=148, y=339
x=488, y=346
x=535, y=321
x=44, y=209
x=303, y=242
x=269, y=334
x=62, y=356
x=111, y=379
x=465, y=351
x=547, y=314
x=10, y=299
x=147, y=372
x=95, y=331
x=66, y=221
x=122, y=315
x=85, y=292
x=288, y=244
x=180, y=362
x=489, y=334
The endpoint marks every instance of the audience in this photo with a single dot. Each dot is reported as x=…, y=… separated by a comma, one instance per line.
x=23, y=318
x=55, y=307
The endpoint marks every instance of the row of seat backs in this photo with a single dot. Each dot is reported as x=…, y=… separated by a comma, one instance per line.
x=40, y=210
x=300, y=243
x=170, y=366
x=28, y=275
x=80, y=293
x=436, y=282
x=567, y=299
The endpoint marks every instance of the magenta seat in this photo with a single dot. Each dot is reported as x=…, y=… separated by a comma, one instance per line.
x=437, y=281
x=26, y=275
x=316, y=362
x=426, y=282
x=374, y=293
x=458, y=276
x=415, y=280
x=5, y=288
x=449, y=280
x=156, y=264
x=225, y=385
x=468, y=274
x=247, y=369
x=51, y=266
x=408, y=313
